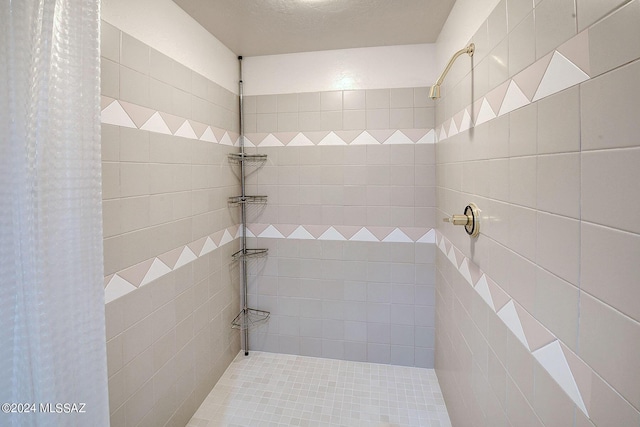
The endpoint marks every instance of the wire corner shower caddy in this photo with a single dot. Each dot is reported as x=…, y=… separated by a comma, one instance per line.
x=248, y=317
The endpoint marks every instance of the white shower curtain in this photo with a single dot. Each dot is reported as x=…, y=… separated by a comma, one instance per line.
x=52, y=333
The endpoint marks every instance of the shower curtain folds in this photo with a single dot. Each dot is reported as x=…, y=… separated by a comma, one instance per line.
x=52, y=330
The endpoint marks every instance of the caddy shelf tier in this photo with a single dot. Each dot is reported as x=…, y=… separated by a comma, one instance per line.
x=246, y=158
x=249, y=318
x=249, y=200
x=249, y=254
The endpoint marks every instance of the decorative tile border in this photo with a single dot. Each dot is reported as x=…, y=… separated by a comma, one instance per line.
x=122, y=113
x=143, y=273
x=567, y=66
x=128, y=280
x=342, y=232
x=571, y=373
x=344, y=137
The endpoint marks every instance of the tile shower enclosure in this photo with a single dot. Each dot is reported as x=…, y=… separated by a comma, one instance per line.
x=349, y=225
x=540, y=135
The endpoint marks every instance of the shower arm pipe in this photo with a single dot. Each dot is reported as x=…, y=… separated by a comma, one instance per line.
x=434, y=93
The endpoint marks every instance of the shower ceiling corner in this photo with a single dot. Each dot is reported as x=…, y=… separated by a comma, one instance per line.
x=271, y=27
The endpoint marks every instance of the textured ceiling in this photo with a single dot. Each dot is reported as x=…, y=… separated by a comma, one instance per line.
x=268, y=27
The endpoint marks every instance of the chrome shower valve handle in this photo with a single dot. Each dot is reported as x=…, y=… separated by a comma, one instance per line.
x=470, y=220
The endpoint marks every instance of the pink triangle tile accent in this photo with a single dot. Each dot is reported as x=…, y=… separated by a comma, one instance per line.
x=496, y=96
x=208, y=136
x=219, y=133
x=398, y=236
x=286, y=229
x=226, y=237
x=443, y=134
x=381, y=232
x=398, y=138
x=475, y=109
x=348, y=135
x=300, y=140
x=465, y=122
x=452, y=257
x=114, y=114
x=105, y=101
x=576, y=50
x=271, y=141
x=475, y=272
x=364, y=235
x=255, y=138
x=442, y=246
x=234, y=229
x=136, y=273
x=301, y=233
x=117, y=288
x=452, y=128
x=537, y=335
x=186, y=131
x=509, y=315
x=529, y=79
x=561, y=74
x=256, y=229
x=171, y=258
x=365, y=138
x=447, y=245
x=186, y=257
x=457, y=119
x=285, y=137
x=381, y=135
x=107, y=279
x=486, y=113
x=347, y=231
x=209, y=246
x=316, y=230
x=499, y=297
x=196, y=247
x=483, y=290
x=459, y=258
x=217, y=236
x=198, y=128
x=331, y=234
x=226, y=139
x=415, y=135
x=332, y=139
x=438, y=237
x=271, y=232
x=156, y=124
x=173, y=122
x=414, y=233
x=428, y=237
x=446, y=125
x=429, y=138
x=315, y=137
x=156, y=271
x=552, y=358
x=247, y=143
x=582, y=374
x=138, y=114
x=464, y=267
x=513, y=100
x=234, y=136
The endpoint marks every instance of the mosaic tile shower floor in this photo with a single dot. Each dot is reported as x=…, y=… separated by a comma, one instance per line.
x=268, y=389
